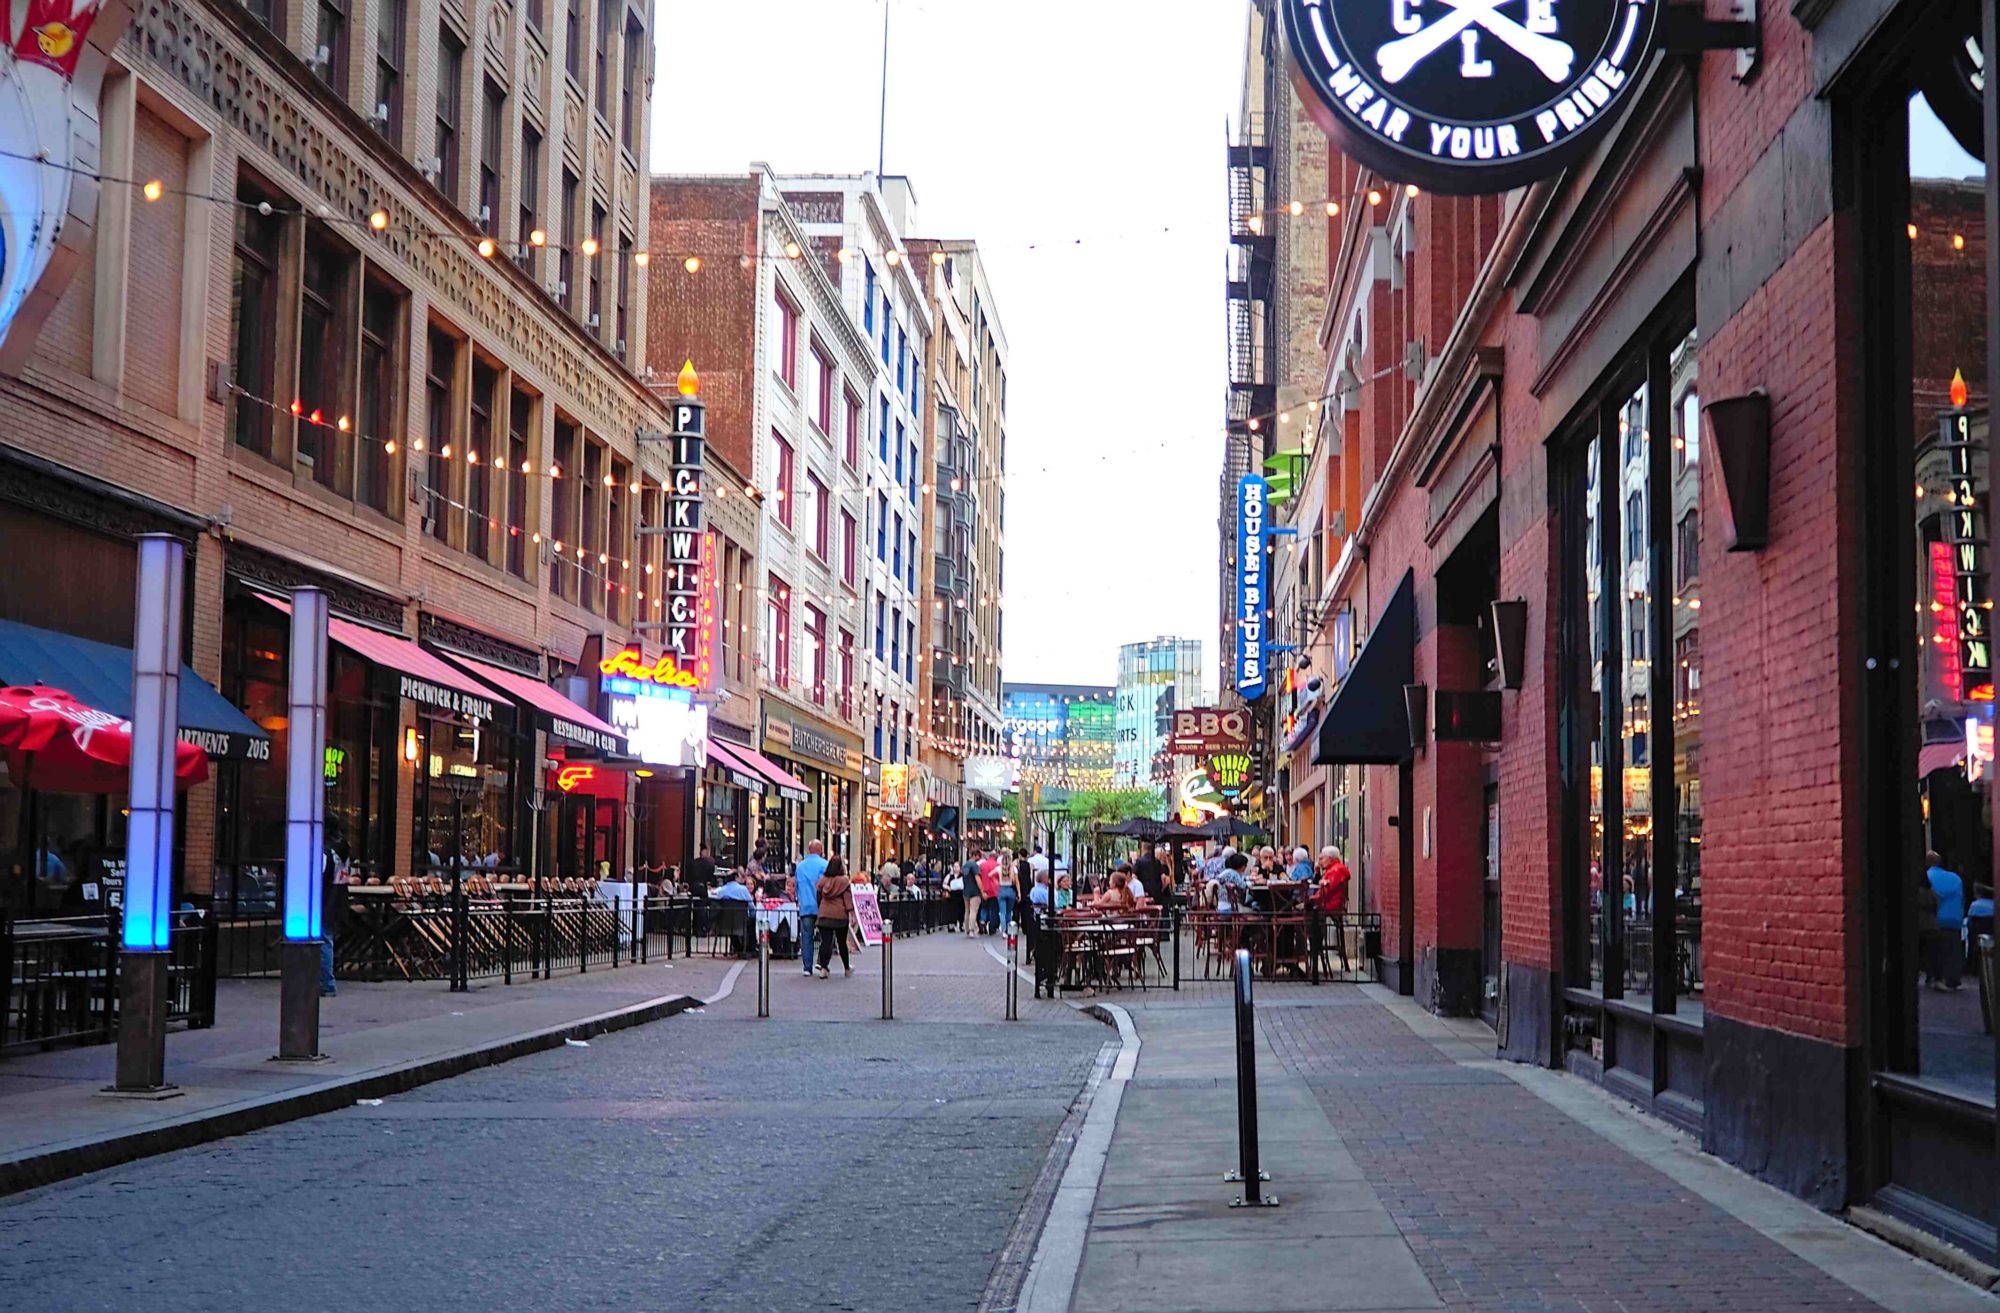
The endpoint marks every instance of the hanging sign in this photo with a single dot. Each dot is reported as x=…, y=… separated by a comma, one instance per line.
x=1252, y=495
x=1211, y=729
x=1468, y=96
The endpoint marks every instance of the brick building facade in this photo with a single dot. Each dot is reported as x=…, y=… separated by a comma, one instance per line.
x=356, y=312
x=1637, y=755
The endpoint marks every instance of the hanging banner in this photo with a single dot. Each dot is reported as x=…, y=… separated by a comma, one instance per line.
x=1252, y=497
x=1468, y=96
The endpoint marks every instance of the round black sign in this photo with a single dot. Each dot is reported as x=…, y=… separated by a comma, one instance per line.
x=1468, y=96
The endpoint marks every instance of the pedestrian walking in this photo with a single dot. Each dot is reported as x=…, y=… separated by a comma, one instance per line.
x=805, y=883
x=1010, y=889
x=968, y=875
x=836, y=910
x=989, y=893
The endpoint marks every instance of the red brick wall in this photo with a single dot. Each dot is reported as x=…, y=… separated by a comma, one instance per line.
x=708, y=317
x=1530, y=790
x=1781, y=871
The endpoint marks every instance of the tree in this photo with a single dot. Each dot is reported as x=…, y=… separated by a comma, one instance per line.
x=1091, y=808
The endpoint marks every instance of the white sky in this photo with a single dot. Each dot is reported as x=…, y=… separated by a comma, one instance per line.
x=1081, y=143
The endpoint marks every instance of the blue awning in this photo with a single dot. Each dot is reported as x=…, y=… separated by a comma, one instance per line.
x=1366, y=724
x=100, y=675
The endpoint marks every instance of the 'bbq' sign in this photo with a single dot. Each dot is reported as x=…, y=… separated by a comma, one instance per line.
x=1468, y=96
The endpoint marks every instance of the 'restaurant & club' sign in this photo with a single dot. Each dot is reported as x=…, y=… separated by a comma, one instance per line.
x=1468, y=96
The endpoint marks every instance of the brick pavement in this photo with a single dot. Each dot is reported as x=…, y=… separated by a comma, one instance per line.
x=1507, y=1202
x=1416, y=1171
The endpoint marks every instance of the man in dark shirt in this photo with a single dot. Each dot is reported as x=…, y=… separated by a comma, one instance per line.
x=1151, y=872
x=701, y=873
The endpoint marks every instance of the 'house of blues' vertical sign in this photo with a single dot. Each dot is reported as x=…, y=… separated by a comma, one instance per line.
x=1252, y=494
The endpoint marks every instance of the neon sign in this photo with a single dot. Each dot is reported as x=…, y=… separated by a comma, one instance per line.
x=629, y=665
x=570, y=776
x=1944, y=635
x=1251, y=495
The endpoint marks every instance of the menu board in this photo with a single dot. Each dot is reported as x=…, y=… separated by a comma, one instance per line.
x=867, y=913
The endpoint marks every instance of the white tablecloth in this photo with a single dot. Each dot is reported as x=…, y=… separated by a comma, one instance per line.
x=623, y=892
x=787, y=916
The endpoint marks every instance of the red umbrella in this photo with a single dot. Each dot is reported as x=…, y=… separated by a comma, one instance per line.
x=59, y=745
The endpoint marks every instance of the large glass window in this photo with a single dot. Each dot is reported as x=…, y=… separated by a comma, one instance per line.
x=250, y=795
x=1930, y=242
x=470, y=821
x=1633, y=907
x=254, y=319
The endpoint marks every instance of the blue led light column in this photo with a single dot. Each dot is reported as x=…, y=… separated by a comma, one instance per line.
x=141, y=1066
x=305, y=830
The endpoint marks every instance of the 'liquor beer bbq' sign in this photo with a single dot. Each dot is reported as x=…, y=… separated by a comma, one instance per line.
x=1468, y=96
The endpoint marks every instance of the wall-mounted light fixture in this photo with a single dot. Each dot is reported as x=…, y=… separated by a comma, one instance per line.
x=1417, y=707
x=1739, y=433
x=410, y=743
x=1510, y=641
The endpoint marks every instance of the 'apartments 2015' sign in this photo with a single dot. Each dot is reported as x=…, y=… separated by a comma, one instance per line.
x=1252, y=493
x=1468, y=96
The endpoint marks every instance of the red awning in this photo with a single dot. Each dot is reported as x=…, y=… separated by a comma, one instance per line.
x=425, y=678
x=567, y=721
x=730, y=757
x=787, y=784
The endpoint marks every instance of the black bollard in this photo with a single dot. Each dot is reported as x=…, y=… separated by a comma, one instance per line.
x=763, y=972
x=1246, y=1094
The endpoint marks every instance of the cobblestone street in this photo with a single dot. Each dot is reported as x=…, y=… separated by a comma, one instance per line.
x=711, y=1161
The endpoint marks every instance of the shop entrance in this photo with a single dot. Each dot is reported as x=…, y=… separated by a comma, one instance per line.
x=587, y=838
x=1489, y=860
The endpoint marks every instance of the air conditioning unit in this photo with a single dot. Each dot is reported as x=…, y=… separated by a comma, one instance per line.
x=321, y=58
x=381, y=120
x=621, y=346
x=562, y=287
x=486, y=214
x=593, y=321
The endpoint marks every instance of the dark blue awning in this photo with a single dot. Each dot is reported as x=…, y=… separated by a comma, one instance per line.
x=100, y=675
x=1367, y=724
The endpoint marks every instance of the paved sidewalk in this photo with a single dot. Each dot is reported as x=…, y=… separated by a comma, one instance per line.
x=379, y=1038
x=1414, y=1171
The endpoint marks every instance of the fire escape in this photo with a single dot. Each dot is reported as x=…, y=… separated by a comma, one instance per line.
x=1252, y=343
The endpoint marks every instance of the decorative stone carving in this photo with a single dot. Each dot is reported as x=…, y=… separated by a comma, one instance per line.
x=280, y=575
x=472, y=642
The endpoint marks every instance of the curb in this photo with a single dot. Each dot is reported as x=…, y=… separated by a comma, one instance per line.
x=48, y=1166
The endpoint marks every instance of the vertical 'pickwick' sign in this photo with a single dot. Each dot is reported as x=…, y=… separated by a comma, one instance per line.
x=1468, y=96
x=683, y=631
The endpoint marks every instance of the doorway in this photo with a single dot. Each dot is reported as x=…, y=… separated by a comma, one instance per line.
x=1489, y=951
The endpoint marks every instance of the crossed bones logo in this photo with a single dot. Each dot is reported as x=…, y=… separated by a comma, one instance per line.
x=1534, y=41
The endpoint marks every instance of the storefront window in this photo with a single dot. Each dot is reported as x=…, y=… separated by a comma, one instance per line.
x=250, y=795
x=721, y=828
x=61, y=848
x=1939, y=381
x=1634, y=910
x=464, y=799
